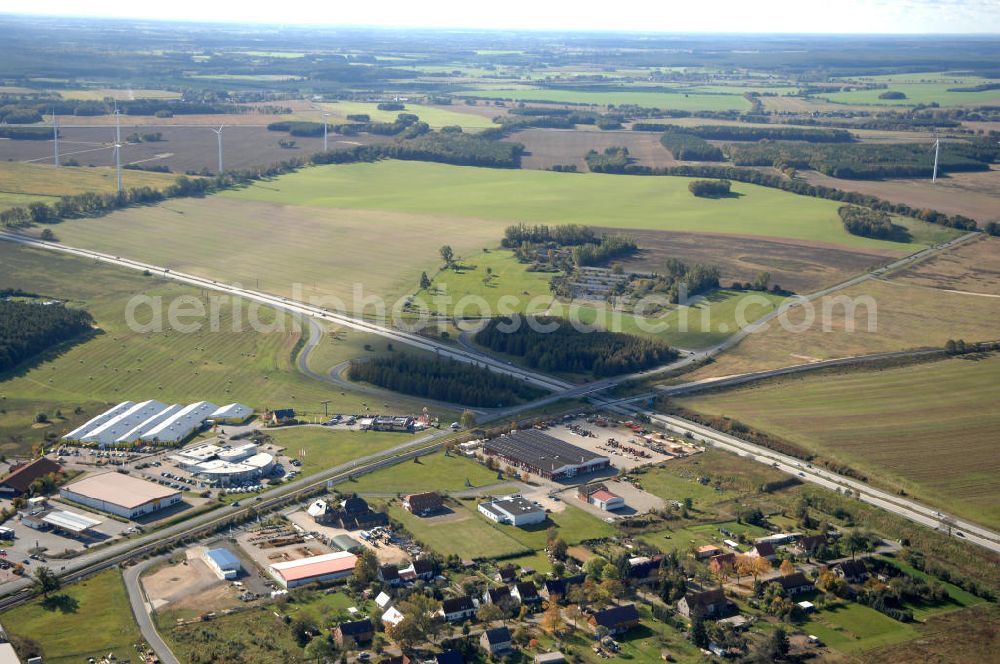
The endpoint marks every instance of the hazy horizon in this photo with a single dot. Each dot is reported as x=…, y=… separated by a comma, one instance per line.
x=781, y=17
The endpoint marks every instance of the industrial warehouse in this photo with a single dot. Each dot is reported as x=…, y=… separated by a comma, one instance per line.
x=152, y=421
x=543, y=455
x=327, y=567
x=223, y=466
x=120, y=494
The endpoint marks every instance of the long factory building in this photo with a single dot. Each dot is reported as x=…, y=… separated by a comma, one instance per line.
x=544, y=455
x=152, y=421
x=120, y=494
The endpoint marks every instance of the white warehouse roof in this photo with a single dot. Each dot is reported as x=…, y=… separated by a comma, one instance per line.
x=109, y=432
x=95, y=422
x=182, y=423
x=136, y=432
x=70, y=521
x=232, y=411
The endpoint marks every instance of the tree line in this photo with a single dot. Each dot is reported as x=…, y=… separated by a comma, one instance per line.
x=566, y=349
x=867, y=222
x=28, y=328
x=608, y=248
x=686, y=146
x=864, y=161
x=442, y=380
x=747, y=133
x=565, y=236
x=676, y=277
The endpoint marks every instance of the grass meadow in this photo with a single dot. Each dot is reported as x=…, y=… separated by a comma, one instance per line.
x=325, y=447
x=927, y=428
x=435, y=472
x=666, y=100
x=435, y=116
x=93, y=620
x=117, y=363
x=330, y=228
x=23, y=183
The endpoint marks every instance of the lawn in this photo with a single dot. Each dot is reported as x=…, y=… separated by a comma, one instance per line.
x=325, y=447
x=850, y=627
x=665, y=100
x=94, y=619
x=435, y=472
x=120, y=363
x=466, y=533
x=924, y=428
x=480, y=291
x=255, y=635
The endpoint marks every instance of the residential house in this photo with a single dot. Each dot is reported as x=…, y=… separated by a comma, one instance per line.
x=354, y=634
x=644, y=569
x=808, y=545
x=722, y=561
x=526, y=593
x=707, y=603
x=495, y=641
x=549, y=658
x=423, y=504
x=449, y=657
x=21, y=477
x=763, y=550
x=793, y=584
x=556, y=589
x=282, y=416
x=389, y=574
x=421, y=568
x=355, y=514
x=458, y=608
x=706, y=551
x=392, y=617
x=499, y=596
x=616, y=619
x=852, y=571
x=506, y=574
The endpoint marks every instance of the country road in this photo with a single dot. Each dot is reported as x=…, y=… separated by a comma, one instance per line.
x=141, y=609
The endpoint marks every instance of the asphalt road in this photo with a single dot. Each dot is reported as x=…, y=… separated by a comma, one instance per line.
x=141, y=610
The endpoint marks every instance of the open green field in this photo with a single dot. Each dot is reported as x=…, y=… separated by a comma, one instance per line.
x=120, y=363
x=471, y=283
x=254, y=635
x=468, y=534
x=87, y=619
x=435, y=116
x=40, y=181
x=920, y=88
x=9, y=200
x=326, y=447
x=618, y=201
x=959, y=599
x=665, y=100
x=435, y=472
x=851, y=627
x=926, y=428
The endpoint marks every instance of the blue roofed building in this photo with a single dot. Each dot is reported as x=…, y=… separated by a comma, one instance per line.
x=224, y=563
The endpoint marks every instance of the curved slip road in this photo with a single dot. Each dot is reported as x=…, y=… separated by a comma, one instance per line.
x=141, y=609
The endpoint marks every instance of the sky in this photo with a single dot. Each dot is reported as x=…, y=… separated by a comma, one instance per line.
x=740, y=16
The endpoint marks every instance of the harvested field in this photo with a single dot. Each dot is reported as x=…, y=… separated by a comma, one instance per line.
x=549, y=147
x=183, y=148
x=975, y=195
x=971, y=635
x=22, y=183
x=921, y=427
x=800, y=267
x=907, y=317
x=972, y=267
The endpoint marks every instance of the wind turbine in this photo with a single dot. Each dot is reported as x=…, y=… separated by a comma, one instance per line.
x=325, y=116
x=118, y=148
x=218, y=132
x=937, y=150
x=55, y=138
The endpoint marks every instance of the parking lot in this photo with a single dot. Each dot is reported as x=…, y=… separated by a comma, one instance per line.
x=625, y=447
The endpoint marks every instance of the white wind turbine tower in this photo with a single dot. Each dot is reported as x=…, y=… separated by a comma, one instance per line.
x=937, y=150
x=55, y=138
x=325, y=116
x=118, y=148
x=218, y=132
